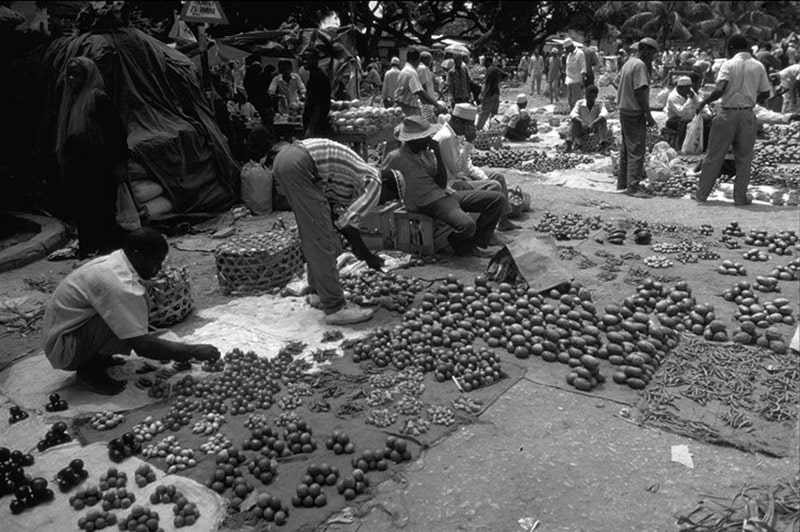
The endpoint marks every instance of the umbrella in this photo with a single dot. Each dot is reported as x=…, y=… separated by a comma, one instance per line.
x=460, y=49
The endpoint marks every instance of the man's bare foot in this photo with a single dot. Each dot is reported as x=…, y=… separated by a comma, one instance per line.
x=98, y=381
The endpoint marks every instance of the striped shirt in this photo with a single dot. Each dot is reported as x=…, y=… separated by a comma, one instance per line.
x=347, y=181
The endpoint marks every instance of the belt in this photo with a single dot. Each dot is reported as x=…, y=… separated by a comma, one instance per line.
x=737, y=108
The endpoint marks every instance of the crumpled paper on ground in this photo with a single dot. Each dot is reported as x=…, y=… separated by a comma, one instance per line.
x=58, y=515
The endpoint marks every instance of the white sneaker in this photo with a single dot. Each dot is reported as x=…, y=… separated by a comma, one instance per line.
x=348, y=315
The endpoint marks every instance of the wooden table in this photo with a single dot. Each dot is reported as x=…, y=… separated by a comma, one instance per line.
x=362, y=141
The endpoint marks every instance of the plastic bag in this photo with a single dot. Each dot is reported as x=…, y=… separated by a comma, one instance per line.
x=257, y=188
x=693, y=143
x=146, y=190
x=127, y=213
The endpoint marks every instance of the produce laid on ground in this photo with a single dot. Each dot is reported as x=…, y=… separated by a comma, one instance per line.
x=528, y=159
x=390, y=290
x=570, y=226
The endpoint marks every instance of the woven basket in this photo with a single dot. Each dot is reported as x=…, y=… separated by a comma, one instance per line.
x=260, y=262
x=169, y=297
x=485, y=140
x=519, y=202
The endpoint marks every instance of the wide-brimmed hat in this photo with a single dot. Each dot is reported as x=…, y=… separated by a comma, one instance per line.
x=567, y=42
x=415, y=127
x=649, y=41
x=465, y=110
x=684, y=81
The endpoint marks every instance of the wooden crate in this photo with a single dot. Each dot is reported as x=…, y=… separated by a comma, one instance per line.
x=419, y=234
x=378, y=227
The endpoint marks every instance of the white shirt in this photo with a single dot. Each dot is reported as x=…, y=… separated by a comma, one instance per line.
x=455, y=152
x=107, y=286
x=426, y=78
x=746, y=78
x=677, y=105
x=390, y=82
x=291, y=89
x=408, y=85
x=586, y=115
x=512, y=115
x=576, y=66
x=789, y=76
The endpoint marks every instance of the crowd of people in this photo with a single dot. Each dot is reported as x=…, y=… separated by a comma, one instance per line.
x=99, y=309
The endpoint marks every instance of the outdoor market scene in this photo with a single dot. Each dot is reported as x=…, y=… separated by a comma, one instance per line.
x=421, y=266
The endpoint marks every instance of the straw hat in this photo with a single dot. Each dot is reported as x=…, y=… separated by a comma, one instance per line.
x=415, y=127
x=649, y=41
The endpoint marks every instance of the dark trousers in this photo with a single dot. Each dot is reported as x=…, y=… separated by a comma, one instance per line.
x=295, y=171
x=85, y=345
x=632, y=152
x=453, y=210
x=730, y=128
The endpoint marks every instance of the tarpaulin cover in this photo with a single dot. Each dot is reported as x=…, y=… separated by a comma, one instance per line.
x=172, y=133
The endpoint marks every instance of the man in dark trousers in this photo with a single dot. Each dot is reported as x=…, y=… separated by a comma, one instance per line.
x=319, y=178
x=741, y=83
x=490, y=96
x=420, y=161
x=318, y=98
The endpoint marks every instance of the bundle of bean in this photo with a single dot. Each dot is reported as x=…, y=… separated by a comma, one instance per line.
x=708, y=254
x=411, y=388
x=570, y=226
x=208, y=424
x=790, y=272
x=657, y=261
x=467, y=404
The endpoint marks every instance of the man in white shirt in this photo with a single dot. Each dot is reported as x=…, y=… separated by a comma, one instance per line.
x=517, y=120
x=425, y=73
x=575, y=71
x=390, y=82
x=742, y=82
x=455, y=140
x=589, y=117
x=100, y=310
x=789, y=77
x=681, y=108
x=410, y=94
x=288, y=85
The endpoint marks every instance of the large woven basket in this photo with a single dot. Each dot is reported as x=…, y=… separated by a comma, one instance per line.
x=261, y=262
x=169, y=297
x=519, y=202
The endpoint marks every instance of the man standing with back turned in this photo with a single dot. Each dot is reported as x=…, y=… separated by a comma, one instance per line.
x=741, y=83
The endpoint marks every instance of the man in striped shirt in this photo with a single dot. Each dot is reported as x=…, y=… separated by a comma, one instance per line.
x=322, y=178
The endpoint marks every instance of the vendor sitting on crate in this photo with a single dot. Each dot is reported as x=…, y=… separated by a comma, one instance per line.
x=419, y=159
x=100, y=310
x=455, y=140
x=315, y=175
x=588, y=117
x=516, y=119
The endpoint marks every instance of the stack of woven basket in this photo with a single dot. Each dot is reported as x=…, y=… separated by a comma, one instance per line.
x=169, y=297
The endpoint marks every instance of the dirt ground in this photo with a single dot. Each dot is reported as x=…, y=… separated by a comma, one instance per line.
x=566, y=459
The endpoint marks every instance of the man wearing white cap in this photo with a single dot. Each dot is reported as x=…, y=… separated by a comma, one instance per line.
x=680, y=108
x=420, y=162
x=789, y=77
x=575, y=72
x=516, y=119
x=633, y=102
x=455, y=140
x=390, y=82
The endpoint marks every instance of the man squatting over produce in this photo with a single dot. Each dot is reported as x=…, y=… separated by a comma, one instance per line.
x=99, y=310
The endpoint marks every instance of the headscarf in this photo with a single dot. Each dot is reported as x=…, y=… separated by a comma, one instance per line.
x=74, y=116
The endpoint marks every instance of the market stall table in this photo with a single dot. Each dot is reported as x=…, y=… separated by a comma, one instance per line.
x=361, y=141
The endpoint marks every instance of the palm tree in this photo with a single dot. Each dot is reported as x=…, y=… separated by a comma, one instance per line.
x=746, y=18
x=665, y=20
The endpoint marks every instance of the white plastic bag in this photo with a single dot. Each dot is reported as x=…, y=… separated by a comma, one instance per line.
x=693, y=143
x=257, y=188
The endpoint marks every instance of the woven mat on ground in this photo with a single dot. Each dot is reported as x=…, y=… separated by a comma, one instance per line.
x=338, y=400
x=754, y=509
x=58, y=515
x=727, y=394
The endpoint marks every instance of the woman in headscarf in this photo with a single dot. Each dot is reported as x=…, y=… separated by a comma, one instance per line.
x=92, y=149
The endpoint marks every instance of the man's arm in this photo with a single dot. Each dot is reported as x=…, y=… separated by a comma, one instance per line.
x=430, y=100
x=153, y=347
x=642, y=95
x=715, y=95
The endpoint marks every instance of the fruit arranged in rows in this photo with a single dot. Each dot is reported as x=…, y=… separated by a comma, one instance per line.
x=72, y=475
x=570, y=226
x=755, y=255
x=55, y=436
x=339, y=442
x=28, y=496
x=106, y=420
x=763, y=316
x=16, y=413
x=56, y=403
x=141, y=519
x=121, y=448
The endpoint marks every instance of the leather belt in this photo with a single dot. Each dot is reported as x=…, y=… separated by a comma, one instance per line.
x=736, y=108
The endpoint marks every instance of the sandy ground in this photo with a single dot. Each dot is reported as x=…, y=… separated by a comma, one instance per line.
x=565, y=459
